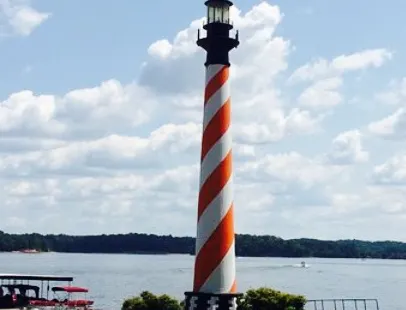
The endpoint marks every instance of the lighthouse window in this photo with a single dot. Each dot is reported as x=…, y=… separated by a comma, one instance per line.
x=210, y=14
x=226, y=14
x=218, y=14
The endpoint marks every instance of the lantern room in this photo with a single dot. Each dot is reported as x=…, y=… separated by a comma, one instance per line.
x=218, y=42
x=218, y=11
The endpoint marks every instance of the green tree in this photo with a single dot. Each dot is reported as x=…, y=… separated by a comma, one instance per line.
x=149, y=301
x=269, y=299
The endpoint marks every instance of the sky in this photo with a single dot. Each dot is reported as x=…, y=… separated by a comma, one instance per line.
x=101, y=112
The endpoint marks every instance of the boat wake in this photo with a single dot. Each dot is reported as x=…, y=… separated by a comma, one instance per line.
x=299, y=266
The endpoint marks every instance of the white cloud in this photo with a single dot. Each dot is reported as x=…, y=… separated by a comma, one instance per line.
x=347, y=149
x=120, y=157
x=395, y=94
x=327, y=76
x=322, y=68
x=289, y=167
x=161, y=49
x=111, y=152
x=17, y=17
x=391, y=127
x=392, y=172
x=370, y=201
x=368, y=58
x=322, y=94
x=93, y=111
x=277, y=126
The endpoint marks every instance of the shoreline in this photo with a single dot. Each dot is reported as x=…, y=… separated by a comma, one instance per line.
x=187, y=254
x=246, y=246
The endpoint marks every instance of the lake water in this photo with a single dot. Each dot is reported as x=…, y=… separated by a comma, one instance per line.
x=112, y=278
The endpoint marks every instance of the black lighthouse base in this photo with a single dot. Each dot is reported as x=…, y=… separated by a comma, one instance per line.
x=208, y=301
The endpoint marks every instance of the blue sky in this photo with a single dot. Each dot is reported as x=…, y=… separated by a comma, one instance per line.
x=100, y=112
x=86, y=42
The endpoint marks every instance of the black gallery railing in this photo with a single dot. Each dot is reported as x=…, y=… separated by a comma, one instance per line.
x=342, y=304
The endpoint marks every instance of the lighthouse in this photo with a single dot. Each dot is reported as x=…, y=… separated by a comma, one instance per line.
x=214, y=284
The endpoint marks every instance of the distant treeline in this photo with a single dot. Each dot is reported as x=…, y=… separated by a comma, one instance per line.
x=246, y=245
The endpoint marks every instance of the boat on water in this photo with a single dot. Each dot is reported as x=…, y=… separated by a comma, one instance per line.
x=35, y=292
x=303, y=264
x=29, y=251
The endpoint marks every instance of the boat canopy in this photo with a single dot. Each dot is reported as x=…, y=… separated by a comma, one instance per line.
x=70, y=289
x=35, y=277
x=21, y=286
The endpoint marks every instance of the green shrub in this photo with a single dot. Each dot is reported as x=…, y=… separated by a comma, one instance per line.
x=259, y=299
x=269, y=299
x=148, y=301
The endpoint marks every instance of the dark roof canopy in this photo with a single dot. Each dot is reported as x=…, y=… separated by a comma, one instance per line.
x=35, y=277
x=210, y=2
x=21, y=286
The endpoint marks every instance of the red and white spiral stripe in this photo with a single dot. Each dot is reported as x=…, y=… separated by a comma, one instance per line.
x=215, y=253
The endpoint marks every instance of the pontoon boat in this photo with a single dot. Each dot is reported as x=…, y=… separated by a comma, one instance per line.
x=17, y=292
